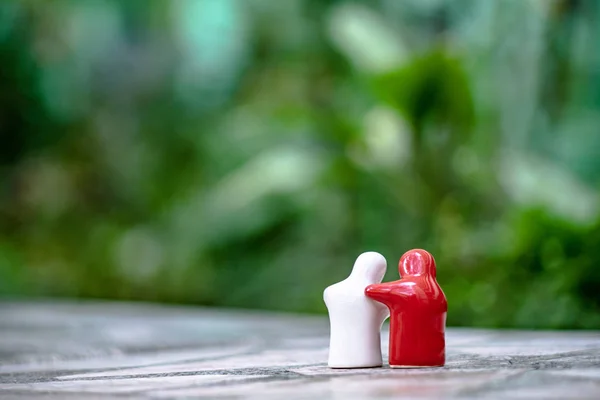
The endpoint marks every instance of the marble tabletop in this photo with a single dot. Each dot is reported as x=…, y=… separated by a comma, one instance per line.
x=51, y=349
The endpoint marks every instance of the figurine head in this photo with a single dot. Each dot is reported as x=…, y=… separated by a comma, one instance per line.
x=369, y=266
x=417, y=262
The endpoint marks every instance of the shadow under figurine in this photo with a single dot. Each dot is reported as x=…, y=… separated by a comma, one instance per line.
x=418, y=310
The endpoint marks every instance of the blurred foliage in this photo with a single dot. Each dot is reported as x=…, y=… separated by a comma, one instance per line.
x=244, y=153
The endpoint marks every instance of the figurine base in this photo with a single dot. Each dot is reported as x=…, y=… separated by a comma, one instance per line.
x=416, y=366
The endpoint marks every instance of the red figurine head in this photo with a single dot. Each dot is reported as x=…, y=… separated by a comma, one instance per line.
x=417, y=263
x=417, y=312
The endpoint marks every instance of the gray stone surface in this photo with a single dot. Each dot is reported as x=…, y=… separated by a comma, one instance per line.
x=54, y=350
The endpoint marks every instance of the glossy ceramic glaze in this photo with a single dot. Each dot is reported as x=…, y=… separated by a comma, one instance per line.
x=355, y=320
x=418, y=310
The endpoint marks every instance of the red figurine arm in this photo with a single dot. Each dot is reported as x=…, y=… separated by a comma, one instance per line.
x=380, y=292
x=390, y=293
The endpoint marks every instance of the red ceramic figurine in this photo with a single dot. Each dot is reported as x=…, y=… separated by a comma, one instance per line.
x=417, y=312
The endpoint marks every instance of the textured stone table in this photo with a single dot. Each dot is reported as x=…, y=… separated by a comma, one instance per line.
x=111, y=350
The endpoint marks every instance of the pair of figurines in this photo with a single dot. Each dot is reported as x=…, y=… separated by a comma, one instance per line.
x=360, y=304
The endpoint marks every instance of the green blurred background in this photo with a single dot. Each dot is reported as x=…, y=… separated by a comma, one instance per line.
x=243, y=153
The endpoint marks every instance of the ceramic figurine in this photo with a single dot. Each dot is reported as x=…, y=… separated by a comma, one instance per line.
x=356, y=320
x=418, y=312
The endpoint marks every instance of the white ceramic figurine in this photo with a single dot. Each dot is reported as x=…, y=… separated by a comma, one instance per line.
x=356, y=320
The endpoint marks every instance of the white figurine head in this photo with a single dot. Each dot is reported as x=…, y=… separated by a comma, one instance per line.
x=369, y=267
